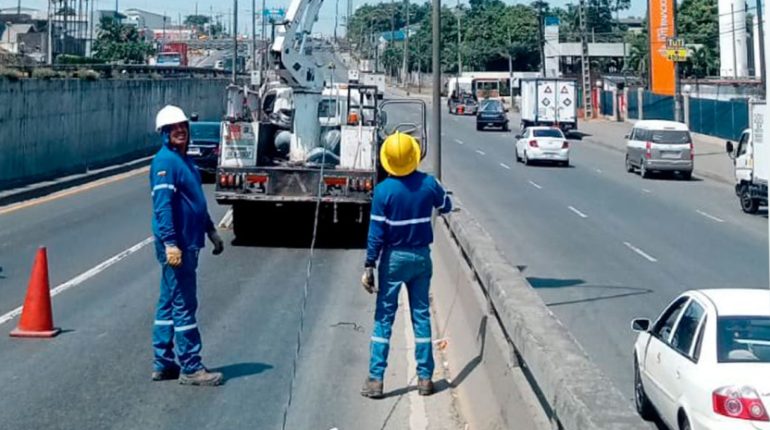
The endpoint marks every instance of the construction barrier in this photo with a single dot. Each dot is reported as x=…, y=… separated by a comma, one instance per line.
x=725, y=119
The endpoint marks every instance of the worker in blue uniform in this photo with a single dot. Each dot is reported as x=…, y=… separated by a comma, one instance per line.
x=180, y=223
x=400, y=234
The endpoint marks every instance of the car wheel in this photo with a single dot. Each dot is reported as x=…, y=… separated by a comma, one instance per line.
x=749, y=205
x=643, y=172
x=518, y=159
x=642, y=403
x=684, y=423
x=564, y=163
x=479, y=127
x=527, y=161
x=629, y=166
x=505, y=127
x=686, y=176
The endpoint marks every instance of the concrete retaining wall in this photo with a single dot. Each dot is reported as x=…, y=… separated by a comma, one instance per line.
x=575, y=393
x=51, y=128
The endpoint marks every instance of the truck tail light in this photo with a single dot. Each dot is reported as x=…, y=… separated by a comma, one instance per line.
x=741, y=403
x=533, y=143
x=231, y=180
x=368, y=186
x=648, y=151
x=222, y=180
x=335, y=181
x=256, y=179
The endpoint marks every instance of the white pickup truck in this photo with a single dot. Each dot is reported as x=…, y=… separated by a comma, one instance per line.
x=751, y=157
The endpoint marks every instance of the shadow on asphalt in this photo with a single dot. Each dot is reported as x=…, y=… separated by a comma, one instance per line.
x=576, y=135
x=554, y=283
x=239, y=370
x=293, y=228
x=672, y=177
x=438, y=386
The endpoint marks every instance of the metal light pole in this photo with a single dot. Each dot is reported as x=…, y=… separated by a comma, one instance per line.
x=50, y=34
x=760, y=24
x=459, y=46
x=436, y=68
x=235, y=39
x=254, y=35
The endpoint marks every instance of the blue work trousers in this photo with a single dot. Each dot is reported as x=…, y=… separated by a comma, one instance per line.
x=414, y=268
x=175, y=328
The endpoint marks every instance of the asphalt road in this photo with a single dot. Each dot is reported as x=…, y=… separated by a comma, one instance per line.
x=96, y=373
x=600, y=245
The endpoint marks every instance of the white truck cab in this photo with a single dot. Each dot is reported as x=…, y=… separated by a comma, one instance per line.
x=751, y=157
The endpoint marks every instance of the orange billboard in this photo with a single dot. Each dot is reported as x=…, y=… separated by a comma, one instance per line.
x=661, y=27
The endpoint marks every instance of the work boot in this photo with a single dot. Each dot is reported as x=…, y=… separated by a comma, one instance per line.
x=372, y=388
x=424, y=387
x=166, y=374
x=202, y=378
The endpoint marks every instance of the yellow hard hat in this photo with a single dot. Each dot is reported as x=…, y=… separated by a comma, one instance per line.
x=400, y=154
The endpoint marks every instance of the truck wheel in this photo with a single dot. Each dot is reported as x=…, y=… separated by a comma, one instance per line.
x=748, y=204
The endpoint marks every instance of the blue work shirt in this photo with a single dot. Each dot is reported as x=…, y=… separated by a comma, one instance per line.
x=180, y=214
x=402, y=208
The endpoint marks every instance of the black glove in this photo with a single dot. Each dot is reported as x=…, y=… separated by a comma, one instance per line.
x=367, y=280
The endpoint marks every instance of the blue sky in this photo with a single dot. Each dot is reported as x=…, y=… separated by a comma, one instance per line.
x=325, y=22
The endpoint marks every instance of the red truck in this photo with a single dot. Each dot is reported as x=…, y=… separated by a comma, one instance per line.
x=174, y=54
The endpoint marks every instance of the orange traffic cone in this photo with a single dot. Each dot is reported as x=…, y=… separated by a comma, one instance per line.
x=36, y=316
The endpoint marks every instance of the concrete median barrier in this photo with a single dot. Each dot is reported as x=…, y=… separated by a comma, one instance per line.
x=571, y=389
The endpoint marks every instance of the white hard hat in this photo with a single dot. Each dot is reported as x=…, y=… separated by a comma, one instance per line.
x=169, y=115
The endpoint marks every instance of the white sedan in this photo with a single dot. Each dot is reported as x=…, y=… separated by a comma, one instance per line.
x=542, y=144
x=705, y=363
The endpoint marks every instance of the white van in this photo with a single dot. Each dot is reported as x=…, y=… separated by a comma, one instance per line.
x=660, y=146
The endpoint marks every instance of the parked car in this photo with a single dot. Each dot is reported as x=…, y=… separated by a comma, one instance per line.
x=542, y=144
x=662, y=146
x=204, y=145
x=491, y=113
x=704, y=363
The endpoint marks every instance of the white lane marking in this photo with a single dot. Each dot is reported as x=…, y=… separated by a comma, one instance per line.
x=598, y=170
x=649, y=257
x=646, y=190
x=505, y=166
x=227, y=220
x=709, y=216
x=536, y=185
x=481, y=152
x=418, y=419
x=90, y=273
x=580, y=214
x=459, y=141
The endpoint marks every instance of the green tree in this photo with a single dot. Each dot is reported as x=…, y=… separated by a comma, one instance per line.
x=120, y=43
x=198, y=22
x=697, y=23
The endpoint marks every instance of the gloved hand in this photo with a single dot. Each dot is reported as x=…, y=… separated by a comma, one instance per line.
x=219, y=244
x=173, y=256
x=367, y=280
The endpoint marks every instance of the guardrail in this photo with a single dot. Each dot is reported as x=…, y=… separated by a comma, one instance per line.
x=118, y=70
x=577, y=395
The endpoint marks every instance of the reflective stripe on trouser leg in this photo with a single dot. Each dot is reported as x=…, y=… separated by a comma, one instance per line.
x=163, y=328
x=387, y=305
x=419, y=302
x=183, y=307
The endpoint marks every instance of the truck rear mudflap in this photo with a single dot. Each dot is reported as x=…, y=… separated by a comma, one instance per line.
x=280, y=184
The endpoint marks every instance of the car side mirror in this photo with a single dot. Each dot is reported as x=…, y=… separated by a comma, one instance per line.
x=518, y=136
x=383, y=119
x=628, y=136
x=730, y=148
x=641, y=325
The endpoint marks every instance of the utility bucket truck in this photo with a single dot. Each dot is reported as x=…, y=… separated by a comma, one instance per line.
x=295, y=141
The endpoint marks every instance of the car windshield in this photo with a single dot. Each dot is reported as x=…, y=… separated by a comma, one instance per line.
x=670, y=136
x=551, y=132
x=492, y=106
x=205, y=131
x=743, y=340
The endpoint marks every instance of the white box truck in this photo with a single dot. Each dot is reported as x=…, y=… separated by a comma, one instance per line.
x=550, y=102
x=374, y=80
x=751, y=157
